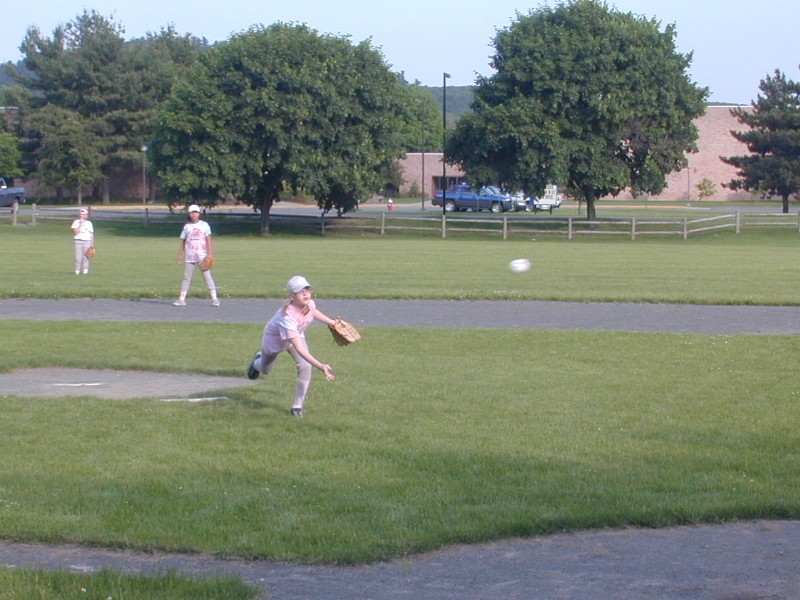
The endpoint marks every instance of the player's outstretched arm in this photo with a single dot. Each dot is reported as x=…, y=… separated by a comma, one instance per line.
x=300, y=345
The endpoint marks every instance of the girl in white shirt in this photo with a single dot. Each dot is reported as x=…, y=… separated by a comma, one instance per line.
x=84, y=240
x=195, y=246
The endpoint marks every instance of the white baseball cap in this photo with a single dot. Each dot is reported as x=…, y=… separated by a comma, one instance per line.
x=296, y=284
x=193, y=208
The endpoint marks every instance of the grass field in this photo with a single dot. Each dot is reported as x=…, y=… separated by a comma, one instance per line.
x=16, y=584
x=758, y=267
x=420, y=442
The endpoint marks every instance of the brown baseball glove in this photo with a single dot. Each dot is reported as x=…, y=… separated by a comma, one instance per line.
x=343, y=332
x=207, y=263
x=89, y=252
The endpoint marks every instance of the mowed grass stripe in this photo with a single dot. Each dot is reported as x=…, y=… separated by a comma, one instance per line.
x=427, y=437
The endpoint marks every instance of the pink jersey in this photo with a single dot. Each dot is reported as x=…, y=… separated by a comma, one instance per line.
x=288, y=322
x=195, y=236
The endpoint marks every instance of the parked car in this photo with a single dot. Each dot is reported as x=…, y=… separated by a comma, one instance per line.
x=9, y=196
x=520, y=201
x=464, y=197
x=551, y=199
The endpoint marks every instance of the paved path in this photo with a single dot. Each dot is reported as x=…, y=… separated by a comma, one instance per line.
x=679, y=318
x=736, y=561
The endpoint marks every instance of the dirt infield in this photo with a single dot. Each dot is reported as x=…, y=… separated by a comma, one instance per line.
x=117, y=385
x=734, y=561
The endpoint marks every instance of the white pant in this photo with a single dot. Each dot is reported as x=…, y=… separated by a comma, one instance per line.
x=81, y=260
x=188, y=272
x=304, y=368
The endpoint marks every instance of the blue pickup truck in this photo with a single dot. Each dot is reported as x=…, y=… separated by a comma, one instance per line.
x=10, y=196
x=465, y=197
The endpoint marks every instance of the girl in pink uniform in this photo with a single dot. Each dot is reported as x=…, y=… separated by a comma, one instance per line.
x=286, y=332
x=195, y=246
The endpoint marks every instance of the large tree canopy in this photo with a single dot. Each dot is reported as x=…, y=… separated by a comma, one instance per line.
x=10, y=157
x=774, y=139
x=593, y=99
x=111, y=88
x=68, y=152
x=280, y=107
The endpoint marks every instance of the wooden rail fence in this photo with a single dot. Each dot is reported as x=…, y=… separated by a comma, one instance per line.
x=504, y=226
x=571, y=227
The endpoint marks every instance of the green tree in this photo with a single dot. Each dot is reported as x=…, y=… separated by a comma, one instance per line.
x=114, y=87
x=423, y=121
x=706, y=189
x=590, y=98
x=69, y=154
x=17, y=122
x=281, y=107
x=773, y=138
x=10, y=156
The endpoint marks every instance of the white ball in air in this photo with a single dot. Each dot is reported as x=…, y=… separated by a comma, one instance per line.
x=519, y=265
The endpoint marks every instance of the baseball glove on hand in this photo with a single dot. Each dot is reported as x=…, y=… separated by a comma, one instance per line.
x=207, y=263
x=89, y=252
x=343, y=332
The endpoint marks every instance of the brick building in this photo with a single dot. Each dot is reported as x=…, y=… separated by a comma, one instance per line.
x=714, y=141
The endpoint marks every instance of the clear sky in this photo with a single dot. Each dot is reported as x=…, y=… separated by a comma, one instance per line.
x=736, y=43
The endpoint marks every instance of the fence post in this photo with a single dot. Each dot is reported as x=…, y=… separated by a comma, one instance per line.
x=146, y=216
x=33, y=213
x=444, y=226
x=798, y=220
x=633, y=228
x=505, y=227
x=14, y=211
x=322, y=224
x=383, y=223
x=569, y=228
x=685, y=228
x=738, y=222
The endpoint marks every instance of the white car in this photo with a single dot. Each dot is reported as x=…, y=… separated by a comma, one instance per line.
x=551, y=199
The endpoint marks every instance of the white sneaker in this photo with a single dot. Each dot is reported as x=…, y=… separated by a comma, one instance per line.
x=215, y=302
x=86, y=271
x=179, y=302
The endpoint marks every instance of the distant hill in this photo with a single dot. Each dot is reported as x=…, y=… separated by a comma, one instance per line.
x=459, y=100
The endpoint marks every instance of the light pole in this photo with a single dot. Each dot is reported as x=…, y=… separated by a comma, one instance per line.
x=445, y=77
x=422, y=121
x=144, y=174
x=688, y=182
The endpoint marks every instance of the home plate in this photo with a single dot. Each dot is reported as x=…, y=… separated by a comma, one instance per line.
x=118, y=385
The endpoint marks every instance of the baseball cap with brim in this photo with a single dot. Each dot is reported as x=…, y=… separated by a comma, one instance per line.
x=296, y=284
x=194, y=208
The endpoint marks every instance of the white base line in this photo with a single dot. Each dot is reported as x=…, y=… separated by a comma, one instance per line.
x=209, y=399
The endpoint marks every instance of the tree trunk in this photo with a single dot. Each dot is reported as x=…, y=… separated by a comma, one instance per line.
x=106, y=190
x=786, y=203
x=591, y=214
x=266, y=205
